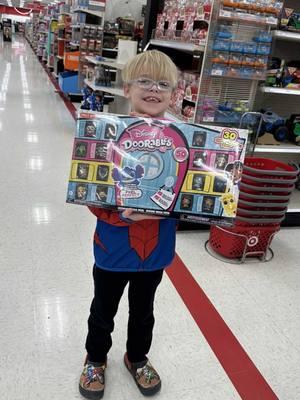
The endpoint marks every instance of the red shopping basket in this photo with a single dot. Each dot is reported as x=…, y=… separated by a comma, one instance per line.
x=267, y=182
x=272, y=198
x=268, y=168
x=257, y=180
x=260, y=205
x=258, y=220
x=260, y=213
x=238, y=242
x=266, y=189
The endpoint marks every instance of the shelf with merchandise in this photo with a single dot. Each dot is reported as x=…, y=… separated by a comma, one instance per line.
x=260, y=12
x=281, y=90
x=228, y=57
x=180, y=45
x=283, y=75
x=287, y=35
x=283, y=148
x=280, y=96
x=181, y=31
x=117, y=91
x=90, y=44
x=109, y=63
x=88, y=11
x=104, y=75
x=234, y=64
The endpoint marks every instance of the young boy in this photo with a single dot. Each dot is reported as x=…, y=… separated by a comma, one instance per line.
x=130, y=248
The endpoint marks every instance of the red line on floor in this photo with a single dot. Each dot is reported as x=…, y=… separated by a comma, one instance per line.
x=242, y=372
x=70, y=106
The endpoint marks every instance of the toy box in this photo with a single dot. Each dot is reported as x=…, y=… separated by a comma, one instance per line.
x=156, y=166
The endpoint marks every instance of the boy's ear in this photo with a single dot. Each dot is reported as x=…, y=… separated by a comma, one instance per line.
x=126, y=89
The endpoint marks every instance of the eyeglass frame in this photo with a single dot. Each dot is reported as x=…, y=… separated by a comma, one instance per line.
x=156, y=83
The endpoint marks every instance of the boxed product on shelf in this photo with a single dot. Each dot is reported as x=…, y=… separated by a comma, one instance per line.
x=185, y=21
x=184, y=97
x=68, y=82
x=256, y=6
x=283, y=74
x=71, y=60
x=78, y=18
x=290, y=20
x=155, y=166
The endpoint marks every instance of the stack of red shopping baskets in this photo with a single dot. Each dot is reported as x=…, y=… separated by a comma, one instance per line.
x=265, y=191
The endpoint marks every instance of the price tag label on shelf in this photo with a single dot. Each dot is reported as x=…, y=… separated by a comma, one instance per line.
x=288, y=91
x=217, y=72
x=271, y=20
x=225, y=13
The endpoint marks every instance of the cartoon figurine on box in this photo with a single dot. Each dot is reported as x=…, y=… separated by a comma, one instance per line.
x=82, y=171
x=110, y=131
x=199, y=139
x=235, y=170
x=208, y=204
x=81, y=192
x=221, y=160
x=128, y=175
x=102, y=173
x=198, y=182
x=200, y=158
x=90, y=129
x=80, y=149
x=101, y=193
x=101, y=151
x=186, y=202
x=229, y=204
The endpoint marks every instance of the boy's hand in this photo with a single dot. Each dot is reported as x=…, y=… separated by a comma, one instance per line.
x=134, y=216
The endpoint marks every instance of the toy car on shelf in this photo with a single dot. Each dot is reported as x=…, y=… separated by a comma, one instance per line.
x=293, y=124
x=273, y=123
x=294, y=22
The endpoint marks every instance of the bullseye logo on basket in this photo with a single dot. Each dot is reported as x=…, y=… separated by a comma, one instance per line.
x=148, y=140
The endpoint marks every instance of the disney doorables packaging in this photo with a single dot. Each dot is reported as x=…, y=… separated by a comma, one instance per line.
x=172, y=169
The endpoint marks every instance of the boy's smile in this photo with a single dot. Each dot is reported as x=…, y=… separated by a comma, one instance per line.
x=153, y=102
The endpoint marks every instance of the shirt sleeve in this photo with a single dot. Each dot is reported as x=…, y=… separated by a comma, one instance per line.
x=110, y=217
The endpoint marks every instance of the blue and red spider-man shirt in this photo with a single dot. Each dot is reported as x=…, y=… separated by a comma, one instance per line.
x=120, y=245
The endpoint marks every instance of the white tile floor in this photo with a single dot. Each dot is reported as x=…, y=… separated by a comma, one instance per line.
x=46, y=285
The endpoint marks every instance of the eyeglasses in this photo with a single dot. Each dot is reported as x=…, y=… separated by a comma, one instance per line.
x=147, y=83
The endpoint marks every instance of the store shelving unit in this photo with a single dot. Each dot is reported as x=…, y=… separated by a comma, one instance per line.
x=89, y=11
x=184, y=39
x=110, y=41
x=87, y=37
x=285, y=148
x=189, y=47
x=116, y=91
x=286, y=35
x=217, y=86
x=109, y=63
x=275, y=90
x=120, y=104
x=231, y=77
x=284, y=101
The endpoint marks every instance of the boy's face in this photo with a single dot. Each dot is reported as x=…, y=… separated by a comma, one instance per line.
x=153, y=102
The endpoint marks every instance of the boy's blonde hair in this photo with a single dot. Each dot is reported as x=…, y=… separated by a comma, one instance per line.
x=153, y=64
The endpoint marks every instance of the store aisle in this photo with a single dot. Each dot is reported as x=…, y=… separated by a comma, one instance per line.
x=46, y=283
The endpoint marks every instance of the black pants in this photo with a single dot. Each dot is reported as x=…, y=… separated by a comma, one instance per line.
x=109, y=287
